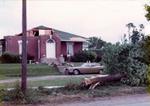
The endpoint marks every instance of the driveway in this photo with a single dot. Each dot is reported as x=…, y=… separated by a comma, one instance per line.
x=132, y=100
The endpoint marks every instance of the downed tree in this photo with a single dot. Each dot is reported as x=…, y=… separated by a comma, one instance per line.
x=94, y=81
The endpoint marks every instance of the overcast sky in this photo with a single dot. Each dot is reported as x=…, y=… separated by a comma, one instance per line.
x=102, y=18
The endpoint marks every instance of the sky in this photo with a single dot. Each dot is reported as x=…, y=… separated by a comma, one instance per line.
x=106, y=19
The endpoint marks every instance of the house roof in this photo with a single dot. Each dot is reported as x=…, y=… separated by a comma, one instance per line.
x=65, y=36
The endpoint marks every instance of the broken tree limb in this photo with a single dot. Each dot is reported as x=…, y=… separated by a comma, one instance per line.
x=94, y=81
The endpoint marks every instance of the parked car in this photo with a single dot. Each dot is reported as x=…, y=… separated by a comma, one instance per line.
x=86, y=68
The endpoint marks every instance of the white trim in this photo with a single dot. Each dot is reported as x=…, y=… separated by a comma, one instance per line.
x=20, y=46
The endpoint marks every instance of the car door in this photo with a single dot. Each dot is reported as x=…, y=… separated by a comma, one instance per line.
x=85, y=69
x=94, y=68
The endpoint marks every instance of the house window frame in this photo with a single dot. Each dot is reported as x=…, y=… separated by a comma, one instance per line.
x=70, y=48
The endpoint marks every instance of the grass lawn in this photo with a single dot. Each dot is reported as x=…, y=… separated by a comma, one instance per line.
x=14, y=70
x=54, y=82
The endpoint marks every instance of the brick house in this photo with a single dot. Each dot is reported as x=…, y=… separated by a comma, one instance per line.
x=44, y=42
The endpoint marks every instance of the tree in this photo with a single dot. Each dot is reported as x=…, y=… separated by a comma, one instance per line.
x=96, y=43
x=135, y=33
x=147, y=15
x=146, y=48
x=126, y=58
x=130, y=26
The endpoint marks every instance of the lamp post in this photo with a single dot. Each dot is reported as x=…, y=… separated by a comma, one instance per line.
x=24, y=48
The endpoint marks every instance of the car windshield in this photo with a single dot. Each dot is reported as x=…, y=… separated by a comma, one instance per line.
x=89, y=64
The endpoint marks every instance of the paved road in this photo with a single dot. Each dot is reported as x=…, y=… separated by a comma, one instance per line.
x=133, y=100
x=51, y=77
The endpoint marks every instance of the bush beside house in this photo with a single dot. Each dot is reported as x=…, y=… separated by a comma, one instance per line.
x=84, y=56
x=10, y=58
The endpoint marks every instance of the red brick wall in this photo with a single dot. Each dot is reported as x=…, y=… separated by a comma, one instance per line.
x=61, y=48
x=32, y=47
x=13, y=47
x=12, y=44
x=43, y=40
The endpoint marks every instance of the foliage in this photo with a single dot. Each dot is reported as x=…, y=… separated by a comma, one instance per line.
x=137, y=68
x=9, y=58
x=84, y=56
x=114, y=58
x=135, y=33
x=30, y=57
x=96, y=43
x=146, y=49
x=126, y=58
x=147, y=8
x=18, y=97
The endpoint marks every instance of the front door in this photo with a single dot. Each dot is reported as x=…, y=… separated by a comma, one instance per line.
x=50, y=49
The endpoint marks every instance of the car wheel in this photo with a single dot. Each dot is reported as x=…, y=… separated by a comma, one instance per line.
x=76, y=72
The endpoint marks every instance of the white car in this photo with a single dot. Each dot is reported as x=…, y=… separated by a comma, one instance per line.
x=86, y=68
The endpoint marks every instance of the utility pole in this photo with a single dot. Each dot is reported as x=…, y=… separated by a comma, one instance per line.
x=24, y=48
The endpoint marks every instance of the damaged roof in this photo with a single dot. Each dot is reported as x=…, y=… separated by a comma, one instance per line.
x=64, y=36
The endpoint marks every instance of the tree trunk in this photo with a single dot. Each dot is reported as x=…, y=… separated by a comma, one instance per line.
x=100, y=80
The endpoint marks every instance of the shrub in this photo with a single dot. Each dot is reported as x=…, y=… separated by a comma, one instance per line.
x=9, y=58
x=18, y=97
x=30, y=57
x=114, y=58
x=83, y=56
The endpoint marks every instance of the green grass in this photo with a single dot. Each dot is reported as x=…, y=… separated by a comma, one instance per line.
x=14, y=70
x=54, y=82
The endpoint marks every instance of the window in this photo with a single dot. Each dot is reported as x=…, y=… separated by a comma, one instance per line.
x=36, y=33
x=70, y=49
